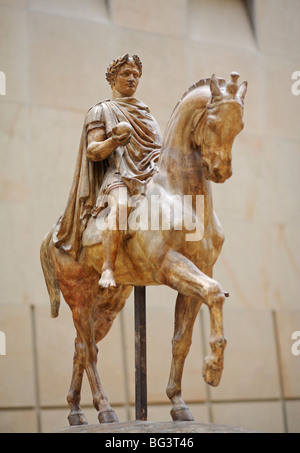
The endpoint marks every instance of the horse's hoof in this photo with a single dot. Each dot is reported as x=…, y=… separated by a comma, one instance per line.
x=212, y=372
x=107, y=416
x=181, y=414
x=77, y=418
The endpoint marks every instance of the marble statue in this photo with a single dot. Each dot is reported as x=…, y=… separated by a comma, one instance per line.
x=140, y=212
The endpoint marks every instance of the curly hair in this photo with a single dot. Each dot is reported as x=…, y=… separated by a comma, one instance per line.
x=114, y=67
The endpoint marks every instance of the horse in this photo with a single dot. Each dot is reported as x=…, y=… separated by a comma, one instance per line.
x=196, y=150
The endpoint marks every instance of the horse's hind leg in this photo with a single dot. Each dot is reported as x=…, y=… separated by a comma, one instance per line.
x=186, y=311
x=84, y=322
x=92, y=323
x=76, y=416
x=110, y=304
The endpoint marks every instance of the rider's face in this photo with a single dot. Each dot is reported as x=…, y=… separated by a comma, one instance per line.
x=126, y=81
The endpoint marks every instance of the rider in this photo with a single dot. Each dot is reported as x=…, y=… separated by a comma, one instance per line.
x=111, y=157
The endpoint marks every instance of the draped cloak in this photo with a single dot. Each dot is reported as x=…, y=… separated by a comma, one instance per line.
x=131, y=165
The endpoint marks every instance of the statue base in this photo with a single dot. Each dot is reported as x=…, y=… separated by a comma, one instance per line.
x=149, y=427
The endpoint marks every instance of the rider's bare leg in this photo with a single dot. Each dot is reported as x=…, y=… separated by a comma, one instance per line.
x=111, y=242
x=112, y=237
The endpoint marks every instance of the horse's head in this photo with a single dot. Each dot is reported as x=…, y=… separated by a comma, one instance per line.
x=218, y=127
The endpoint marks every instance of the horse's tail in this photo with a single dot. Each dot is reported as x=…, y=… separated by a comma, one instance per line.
x=49, y=275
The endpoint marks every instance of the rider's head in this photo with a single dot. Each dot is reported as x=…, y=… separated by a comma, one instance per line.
x=123, y=75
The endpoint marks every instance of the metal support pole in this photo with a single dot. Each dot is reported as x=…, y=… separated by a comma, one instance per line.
x=140, y=353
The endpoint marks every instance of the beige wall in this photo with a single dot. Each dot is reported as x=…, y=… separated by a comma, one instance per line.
x=54, y=55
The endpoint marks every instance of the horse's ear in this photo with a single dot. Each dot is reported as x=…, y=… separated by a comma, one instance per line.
x=242, y=90
x=215, y=89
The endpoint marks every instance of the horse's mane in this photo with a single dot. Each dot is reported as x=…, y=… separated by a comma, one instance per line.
x=200, y=83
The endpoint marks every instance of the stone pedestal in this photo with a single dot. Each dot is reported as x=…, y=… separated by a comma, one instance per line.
x=155, y=427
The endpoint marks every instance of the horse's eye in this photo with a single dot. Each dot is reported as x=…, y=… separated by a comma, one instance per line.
x=212, y=123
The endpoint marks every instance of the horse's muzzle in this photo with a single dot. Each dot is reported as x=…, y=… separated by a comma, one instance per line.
x=218, y=176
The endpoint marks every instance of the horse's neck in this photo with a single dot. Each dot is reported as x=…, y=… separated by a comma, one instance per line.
x=180, y=164
x=186, y=177
x=182, y=175
x=180, y=167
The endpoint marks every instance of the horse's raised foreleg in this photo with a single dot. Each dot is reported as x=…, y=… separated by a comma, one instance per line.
x=181, y=274
x=213, y=364
x=186, y=311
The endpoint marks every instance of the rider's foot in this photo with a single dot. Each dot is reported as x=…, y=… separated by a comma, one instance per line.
x=107, y=279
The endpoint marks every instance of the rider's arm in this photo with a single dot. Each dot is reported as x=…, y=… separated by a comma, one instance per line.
x=99, y=147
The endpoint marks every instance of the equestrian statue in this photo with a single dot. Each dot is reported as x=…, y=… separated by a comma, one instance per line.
x=140, y=212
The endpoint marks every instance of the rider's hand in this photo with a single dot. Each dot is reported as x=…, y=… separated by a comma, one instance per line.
x=121, y=133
